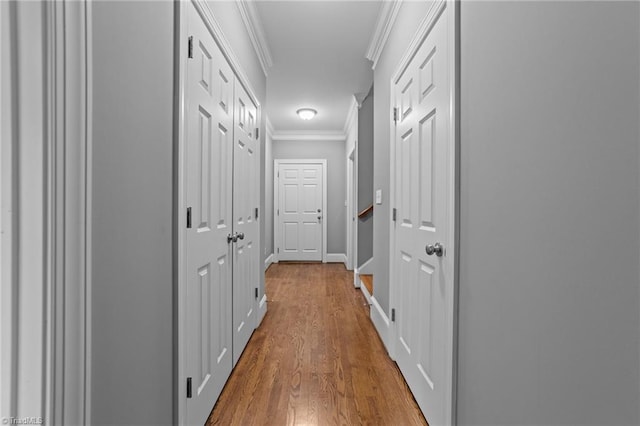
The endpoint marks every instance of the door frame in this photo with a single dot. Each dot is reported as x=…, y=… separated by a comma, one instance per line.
x=352, y=192
x=179, y=193
x=276, y=203
x=452, y=263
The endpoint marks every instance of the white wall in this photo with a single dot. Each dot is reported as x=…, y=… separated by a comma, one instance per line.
x=409, y=17
x=549, y=278
x=133, y=287
x=333, y=152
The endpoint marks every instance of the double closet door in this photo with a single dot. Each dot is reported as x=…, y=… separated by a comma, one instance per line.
x=222, y=231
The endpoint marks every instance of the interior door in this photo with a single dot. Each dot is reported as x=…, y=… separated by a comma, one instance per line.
x=246, y=199
x=208, y=154
x=422, y=279
x=300, y=213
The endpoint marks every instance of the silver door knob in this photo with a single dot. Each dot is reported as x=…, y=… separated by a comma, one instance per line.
x=232, y=238
x=436, y=249
x=240, y=235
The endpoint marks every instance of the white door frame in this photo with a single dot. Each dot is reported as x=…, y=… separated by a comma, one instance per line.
x=453, y=235
x=276, y=203
x=352, y=228
x=181, y=48
x=45, y=338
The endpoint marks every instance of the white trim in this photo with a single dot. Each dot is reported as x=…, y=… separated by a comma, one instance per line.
x=214, y=28
x=253, y=24
x=337, y=258
x=262, y=309
x=451, y=260
x=365, y=291
x=356, y=278
x=310, y=135
x=8, y=282
x=268, y=261
x=276, y=226
x=381, y=323
x=384, y=24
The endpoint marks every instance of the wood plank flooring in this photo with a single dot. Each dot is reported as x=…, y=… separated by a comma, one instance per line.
x=316, y=359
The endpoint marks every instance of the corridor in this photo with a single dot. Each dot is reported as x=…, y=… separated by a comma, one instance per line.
x=316, y=359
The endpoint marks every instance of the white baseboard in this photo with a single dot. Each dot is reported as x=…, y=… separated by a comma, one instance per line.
x=356, y=278
x=380, y=321
x=365, y=291
x=337, y=258
x=268, y=261
x=262, y=309
x=366, y=267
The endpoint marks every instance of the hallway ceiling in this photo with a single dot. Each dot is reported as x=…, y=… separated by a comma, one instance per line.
x=318, y=50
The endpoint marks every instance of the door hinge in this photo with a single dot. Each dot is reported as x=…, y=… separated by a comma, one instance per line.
x=393, y=216
x=395, y=114
x=189, y=391
x=393, y=315
x=257, y=133
x=190, y=47
x=278, y=250
x=188, y=217
x=278, y=173
x=256, y=292
x=256, y=213
x=278, y=212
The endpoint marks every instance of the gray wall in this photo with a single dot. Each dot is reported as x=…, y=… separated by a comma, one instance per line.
x=132, y=301
x=365, y=178
x=333, y=152
x=133, y=287
x=549, y=277
x=407, y=21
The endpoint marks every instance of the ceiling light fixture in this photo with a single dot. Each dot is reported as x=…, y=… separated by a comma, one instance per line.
x=306, y=113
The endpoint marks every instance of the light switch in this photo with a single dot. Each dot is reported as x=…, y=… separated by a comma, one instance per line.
x=379, y=196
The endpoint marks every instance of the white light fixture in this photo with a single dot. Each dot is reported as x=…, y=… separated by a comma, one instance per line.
x=306, y=113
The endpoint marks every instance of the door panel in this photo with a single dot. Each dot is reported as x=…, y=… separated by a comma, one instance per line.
x=423, y=288
x=300, y=192
x=246, y=259
x=208, y=155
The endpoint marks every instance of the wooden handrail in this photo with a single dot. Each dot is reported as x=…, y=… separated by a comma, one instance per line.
x=365, y=211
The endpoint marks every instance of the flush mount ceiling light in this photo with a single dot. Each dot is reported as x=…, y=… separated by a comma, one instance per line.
x=306, y=113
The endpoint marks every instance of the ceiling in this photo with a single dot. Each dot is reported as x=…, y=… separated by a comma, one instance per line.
x=318, y=51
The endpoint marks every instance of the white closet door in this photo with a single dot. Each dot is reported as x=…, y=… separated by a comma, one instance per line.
x=422, y=283
x=208, y=151
x=246, y=198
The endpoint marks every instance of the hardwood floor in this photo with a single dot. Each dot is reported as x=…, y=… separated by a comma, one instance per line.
x=316, y=359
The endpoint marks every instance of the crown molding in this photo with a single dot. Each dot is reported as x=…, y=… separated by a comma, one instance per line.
x=386, y=18
x=309, y=135
x=252, y=22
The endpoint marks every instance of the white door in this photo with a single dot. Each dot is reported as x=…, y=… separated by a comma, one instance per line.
x=246, y=199
x=423, y=285
x=300, y=211
x=208, y=154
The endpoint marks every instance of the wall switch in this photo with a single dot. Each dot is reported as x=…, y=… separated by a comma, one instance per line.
x=379, y=196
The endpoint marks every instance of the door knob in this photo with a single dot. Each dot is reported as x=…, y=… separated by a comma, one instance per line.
x=232, y=238
x=240, y=235
x=436, y=249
